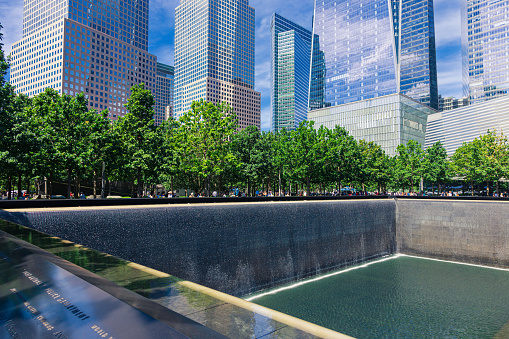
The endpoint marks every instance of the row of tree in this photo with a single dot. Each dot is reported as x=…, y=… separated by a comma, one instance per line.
x=57, y=137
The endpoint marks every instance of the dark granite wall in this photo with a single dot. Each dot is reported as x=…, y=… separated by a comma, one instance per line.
x=235, y=248
x=468, y=231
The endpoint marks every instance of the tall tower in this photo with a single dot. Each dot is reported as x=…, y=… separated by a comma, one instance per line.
x=289, y=73
x=214, y=57
x=485, y=49
x=164, y=93
x=95, y=47
x=373, y=48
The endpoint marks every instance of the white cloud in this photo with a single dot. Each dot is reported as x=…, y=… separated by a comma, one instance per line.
x=450, y=77
x=447, y=22
x=262, y=76
x=266, y=118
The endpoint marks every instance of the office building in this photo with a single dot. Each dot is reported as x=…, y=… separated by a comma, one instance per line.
x=214, y=57
x=448, y=103
x=386, y=120
x=94, y=47
x=289, y=73
x=163, y=93
x=373, y=48
x=454, y=127
x=485, y=48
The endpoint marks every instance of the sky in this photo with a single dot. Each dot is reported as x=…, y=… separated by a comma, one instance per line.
x=162, y=28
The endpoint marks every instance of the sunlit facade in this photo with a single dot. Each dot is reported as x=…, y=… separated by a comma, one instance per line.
x=289, y=73
x=485, y=49
x=454, y=127
x=388, y=120
x=214, y=57
x=98, y=48
x=373, y=48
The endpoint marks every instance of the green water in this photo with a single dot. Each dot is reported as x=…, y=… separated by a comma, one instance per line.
x=405, y=297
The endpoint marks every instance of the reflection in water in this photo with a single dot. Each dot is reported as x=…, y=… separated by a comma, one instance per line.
x=406, y=297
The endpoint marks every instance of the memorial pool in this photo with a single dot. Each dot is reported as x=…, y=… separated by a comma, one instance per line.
x=402, y=297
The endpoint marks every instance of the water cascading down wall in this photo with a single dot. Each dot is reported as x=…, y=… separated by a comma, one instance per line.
x=241, y=248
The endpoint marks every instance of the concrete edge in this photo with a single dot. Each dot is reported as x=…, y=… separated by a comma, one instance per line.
x=283, y=318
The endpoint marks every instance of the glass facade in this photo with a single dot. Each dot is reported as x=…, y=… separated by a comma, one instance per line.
x=373, y=48
x=164, y=93
x=317, y=80
x=214, y=56
x=485, y=43
x=388, y=120
x=418, y=65
x=464, y=124
x=290, y=67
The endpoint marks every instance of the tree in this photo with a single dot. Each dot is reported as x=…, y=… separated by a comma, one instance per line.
x=282, y=156
x=136, y=131
x=467, y=161
x=495, y=160
x=203, y=137
x=342, y=157
x=170, y=162
x=307, y=152
x=98, y=148
x=244, y=147
x=436, y=166
x=409, y=164
x=374, y=166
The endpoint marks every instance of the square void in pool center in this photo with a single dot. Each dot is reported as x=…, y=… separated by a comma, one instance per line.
x=402, y=297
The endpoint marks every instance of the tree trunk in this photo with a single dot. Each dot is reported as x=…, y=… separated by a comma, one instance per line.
x=102, y=181
x=472, y=186
x=50, y=189
x=9, y=188
x=68, y=184
x=498, y=188
x=95, y=184
x=171, y=185
x=138, y=192
x=19, y=186
x=279, y=182
x=78, y=188
x=308, y=186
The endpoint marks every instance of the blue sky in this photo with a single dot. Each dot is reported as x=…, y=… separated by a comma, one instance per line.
x=162, y=24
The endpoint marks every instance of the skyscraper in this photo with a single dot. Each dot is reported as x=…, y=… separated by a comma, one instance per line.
x=289, y=73
x=95, y=47
x=373, y=48
x=485, y=48
x=214, y=57
x=164, y=93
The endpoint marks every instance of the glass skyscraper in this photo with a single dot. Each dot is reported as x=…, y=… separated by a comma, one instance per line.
x=289, y=73
x=214, y=57
x=163, y=108
x=373, y=48
x=90, y=46
x=485, y=48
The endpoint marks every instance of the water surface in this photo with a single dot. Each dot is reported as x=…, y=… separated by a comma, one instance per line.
x=404, y=297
